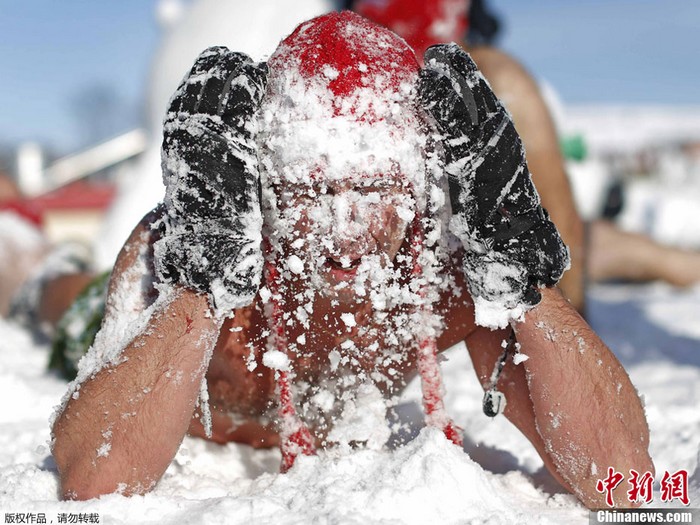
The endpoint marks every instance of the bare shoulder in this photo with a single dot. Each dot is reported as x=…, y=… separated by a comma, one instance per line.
x=519, y=92
x=502, y=70
x=142, y=234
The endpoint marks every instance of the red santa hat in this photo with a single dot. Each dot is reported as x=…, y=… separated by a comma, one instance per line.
x=348, y=55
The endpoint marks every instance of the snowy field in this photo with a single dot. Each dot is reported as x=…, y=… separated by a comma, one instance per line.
x=653, y=329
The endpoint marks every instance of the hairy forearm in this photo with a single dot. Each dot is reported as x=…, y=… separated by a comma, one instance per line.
x=124, y=425
x=586, y=410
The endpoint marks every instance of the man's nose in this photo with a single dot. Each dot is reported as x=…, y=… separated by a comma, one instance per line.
x=349, y=212
x=350, y=233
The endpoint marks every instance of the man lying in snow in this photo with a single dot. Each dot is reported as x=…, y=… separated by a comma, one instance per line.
x=307, y=256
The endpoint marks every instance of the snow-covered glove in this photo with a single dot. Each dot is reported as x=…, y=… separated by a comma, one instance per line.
x=511, y=247
x=211, y=232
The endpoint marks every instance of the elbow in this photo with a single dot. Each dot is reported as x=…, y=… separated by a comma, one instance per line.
x=74, y=477
x=84, y=475
x=82, y=480
x=73, y=486
x=79, y=477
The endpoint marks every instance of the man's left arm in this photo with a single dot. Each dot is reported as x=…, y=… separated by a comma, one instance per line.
x=586, y=409
x=571, y=397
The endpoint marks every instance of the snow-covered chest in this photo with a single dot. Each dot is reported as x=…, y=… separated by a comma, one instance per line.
x=341, y=349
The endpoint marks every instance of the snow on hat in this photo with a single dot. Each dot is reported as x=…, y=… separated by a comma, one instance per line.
x=348, y=55
x=421, y=22
x=342, y=89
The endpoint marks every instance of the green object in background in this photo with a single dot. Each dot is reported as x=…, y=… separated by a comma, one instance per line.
x=76, y=330
x=574, y=147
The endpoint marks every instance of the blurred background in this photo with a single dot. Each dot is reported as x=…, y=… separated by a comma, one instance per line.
x=85, y=84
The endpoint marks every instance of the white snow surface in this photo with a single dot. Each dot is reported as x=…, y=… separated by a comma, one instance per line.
x=497, y=478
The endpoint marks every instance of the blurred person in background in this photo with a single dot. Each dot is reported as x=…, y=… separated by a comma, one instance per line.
x=599, y=250
x=22, y=246
x=38, y=281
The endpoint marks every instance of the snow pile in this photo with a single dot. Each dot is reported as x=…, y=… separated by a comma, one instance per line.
x=428, y=478
x=426, y=481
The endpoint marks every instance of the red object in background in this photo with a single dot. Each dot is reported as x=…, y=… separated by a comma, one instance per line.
x=24, y=209
x=422, y=23
x=76, y=196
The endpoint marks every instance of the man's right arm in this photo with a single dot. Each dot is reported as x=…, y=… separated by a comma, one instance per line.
x=122, y=428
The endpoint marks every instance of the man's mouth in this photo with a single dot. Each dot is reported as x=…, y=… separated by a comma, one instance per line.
x=344, y=267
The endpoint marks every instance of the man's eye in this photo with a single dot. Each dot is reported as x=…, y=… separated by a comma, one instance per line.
x=303, y=191
x=322, y=189
x=377, y=187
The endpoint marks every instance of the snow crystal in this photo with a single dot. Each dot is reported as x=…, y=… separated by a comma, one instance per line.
x=203, y=404
x=348, y=319
x=495, y=315
x=324, y=399
x=334, y=358
x=330, y=72
x=520, y=358
x=103, y=450
x=264, y=294
x=295, y=264
x=276, y=360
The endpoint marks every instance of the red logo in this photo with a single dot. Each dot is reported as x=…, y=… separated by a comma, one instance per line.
x=610, y=483
x=673, y=486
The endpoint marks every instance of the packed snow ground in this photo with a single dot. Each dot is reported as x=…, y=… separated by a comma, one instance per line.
x=653, y=329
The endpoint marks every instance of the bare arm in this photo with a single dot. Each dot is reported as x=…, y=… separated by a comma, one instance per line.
x=571, y=398
x=127, y=421
x=586, y=409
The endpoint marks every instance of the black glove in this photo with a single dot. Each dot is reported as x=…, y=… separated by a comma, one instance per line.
x=511, y=246
x=211, y=232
